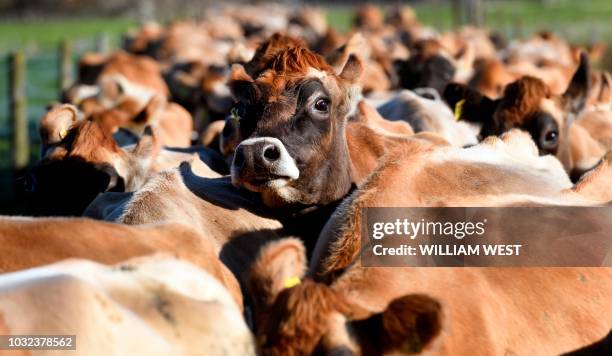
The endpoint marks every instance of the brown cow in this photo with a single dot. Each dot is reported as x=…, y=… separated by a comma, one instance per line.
x=234, y=221
x=171, y=123
x=295, y=81
x=296, y=318
x=504, y=171
x=528, y=104
x=140, y=70
x=156, y=305
x=484, y=311
x=86, y=162
x=425, y=111
x=497, y=172
x=80, y=159
x=28, y=242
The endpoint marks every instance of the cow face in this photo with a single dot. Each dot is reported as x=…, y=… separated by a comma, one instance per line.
x=527, y=104
x=81, y=163
x=293, y=116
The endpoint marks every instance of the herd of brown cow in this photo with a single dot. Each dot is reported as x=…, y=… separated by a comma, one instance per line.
x=231, y=158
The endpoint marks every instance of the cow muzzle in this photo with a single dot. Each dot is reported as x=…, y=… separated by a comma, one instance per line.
x=263, y=163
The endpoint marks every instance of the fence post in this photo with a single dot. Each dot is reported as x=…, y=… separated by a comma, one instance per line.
x=65, y=65
x=102, y=43
x=468, y=12
x=18, y=115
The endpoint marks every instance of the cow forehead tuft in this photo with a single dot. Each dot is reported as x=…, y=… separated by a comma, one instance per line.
x=521, y=99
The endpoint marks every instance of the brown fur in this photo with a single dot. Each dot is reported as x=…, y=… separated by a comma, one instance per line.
x=368, y=17
x=514, y=300
x=268, y=50
x=298, y=60
x=369, y=137
x=212, y=132
x=344, y=250
x=521, y=99
x=56, y=120
x=585, y=151
x=274, y=264
x=491, y=78
x=171, y=123
x=410, y=323
x=223, y=216
x=597, y=183
x=140, y=70
x=312, y=315
x=598, y=123
x=273, y=94
x=297, y=320
x=89, y=138
x=35, y=242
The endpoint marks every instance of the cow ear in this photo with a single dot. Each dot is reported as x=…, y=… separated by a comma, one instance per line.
x=605, y=88
x=147, y=144
x=57, y=122
x=242, y=85
x=576, y=94
x=111, y=89
x=280, y=265
x=353, y=69
x=407, y=326
x=355, y=44
x=468, y=104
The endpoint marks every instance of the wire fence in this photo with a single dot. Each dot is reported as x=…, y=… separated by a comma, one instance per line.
x=42, y=83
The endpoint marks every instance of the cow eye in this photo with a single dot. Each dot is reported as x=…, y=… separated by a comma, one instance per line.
x=551, y=137
x=322, y=105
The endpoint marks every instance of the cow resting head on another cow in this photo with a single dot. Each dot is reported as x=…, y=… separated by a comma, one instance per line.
x=79, y=160
x=527, y=104
x=295, y=317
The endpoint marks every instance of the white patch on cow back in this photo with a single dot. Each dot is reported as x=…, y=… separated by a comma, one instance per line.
x=515, y=150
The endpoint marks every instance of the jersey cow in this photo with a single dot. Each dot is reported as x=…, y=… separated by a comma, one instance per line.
x=156, y=305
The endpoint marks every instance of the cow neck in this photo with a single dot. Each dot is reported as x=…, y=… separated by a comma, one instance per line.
x=307, y=221
x=365, y=147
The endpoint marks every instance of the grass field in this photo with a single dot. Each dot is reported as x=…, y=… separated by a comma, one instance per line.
x=44, y=35
x=576, y=20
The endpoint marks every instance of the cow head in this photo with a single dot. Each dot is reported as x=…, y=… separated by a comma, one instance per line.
x=296, y=316
x=426, y=67
x=81, y=160
x=293, y=115
x=527, y=104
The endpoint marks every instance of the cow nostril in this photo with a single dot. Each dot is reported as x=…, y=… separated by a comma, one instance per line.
x=271, y=153
x=238, y=157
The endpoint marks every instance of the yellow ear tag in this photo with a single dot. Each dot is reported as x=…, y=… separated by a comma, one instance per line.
x=234, y=115
x=459, y=109
x=292, y=281
x=63, y=134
